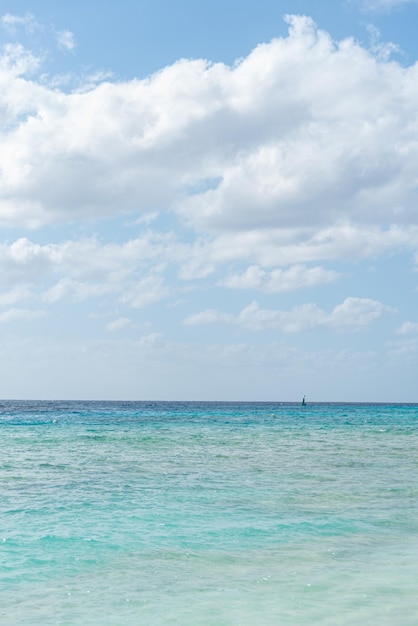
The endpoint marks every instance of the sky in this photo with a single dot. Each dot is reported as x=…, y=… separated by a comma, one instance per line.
x=209, y=201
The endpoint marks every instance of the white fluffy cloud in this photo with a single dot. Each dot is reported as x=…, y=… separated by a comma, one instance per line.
x=284, y=247
x=139, y=272
x=352, y=314
x=305, y=141
x=131, y=271
x=301, y=154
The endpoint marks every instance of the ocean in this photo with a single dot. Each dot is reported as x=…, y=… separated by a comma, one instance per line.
x=208, y=514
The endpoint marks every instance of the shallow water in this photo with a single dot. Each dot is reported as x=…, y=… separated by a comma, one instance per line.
x=208, y=514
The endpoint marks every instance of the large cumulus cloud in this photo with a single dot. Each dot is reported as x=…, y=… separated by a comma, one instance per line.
x=303, y=152
x=304, y=131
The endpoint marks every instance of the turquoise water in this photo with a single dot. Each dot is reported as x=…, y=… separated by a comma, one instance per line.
x=208, y=514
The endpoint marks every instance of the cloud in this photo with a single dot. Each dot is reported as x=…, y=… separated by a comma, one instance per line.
x=383, y=5
x=144, y=292
x=352, y=314
x=381, y=49
x=24, y=261
x=405, y=350
x=300, y=154
x=357, y=313
x=65, y=39
x=283, y=247
x=309, y=145
x=407, y=328
x=209, y=316
x=12, y=315
x=13, y=22
x=118, y=324
x=67, y=288
x=151, y=342
x=137, y=272
x=85, y=258
x=278, y=280
x=15, y=63
x=130, y=272
x=14, y=295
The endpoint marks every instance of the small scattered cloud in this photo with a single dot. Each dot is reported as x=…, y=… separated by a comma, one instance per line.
x=65, y=39
x=405, y=350
x=67, y=288
x=14, y=295
x=118, y=324
x=352, y=314
x=407, y=328
x=13, y=315
x=150, y=341
x=142, y=293
x=356, y=313
x=147, y=218
x=209, y=316
x=13, y=22
x=383, y=50
x=280, y=280
x=130, y=272
x=384, y=6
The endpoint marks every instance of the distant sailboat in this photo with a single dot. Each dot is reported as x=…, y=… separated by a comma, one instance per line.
x=303, y=401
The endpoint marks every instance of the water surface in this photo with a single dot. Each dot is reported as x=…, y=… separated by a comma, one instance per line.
x=208, y=514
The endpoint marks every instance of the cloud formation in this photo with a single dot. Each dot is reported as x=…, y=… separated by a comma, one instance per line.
x=383, y=5
x=408, y=328
x=301, y=154
x=11, y=315
x=65, y=39
x=13, y=23
x=131, y=272
x=310, y=146
x=352, y=314
x=279, y=280
x=118, y=324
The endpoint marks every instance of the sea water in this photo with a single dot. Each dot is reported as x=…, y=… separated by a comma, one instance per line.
x=208, y=514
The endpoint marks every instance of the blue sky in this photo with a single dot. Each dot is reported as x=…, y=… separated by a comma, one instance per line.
x=211, y=201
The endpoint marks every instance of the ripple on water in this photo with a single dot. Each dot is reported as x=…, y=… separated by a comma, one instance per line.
x=208, y=514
